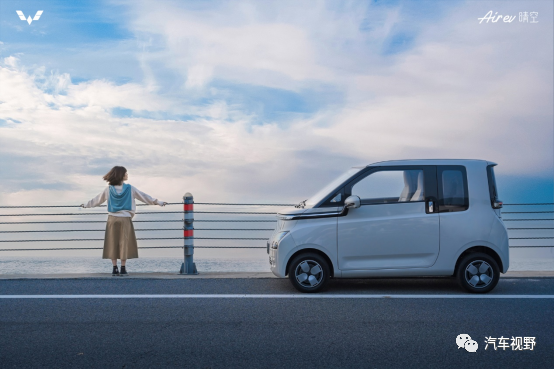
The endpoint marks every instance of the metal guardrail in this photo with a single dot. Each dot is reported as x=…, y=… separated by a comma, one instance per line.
x=169, y=203
x=188, y=266
x=188, y=220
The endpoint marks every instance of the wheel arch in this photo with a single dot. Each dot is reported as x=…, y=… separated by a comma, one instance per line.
x=315, y=251
x=485, y=250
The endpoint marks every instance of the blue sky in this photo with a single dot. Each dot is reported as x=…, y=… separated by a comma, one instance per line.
x=77, y=30
x=240, y=99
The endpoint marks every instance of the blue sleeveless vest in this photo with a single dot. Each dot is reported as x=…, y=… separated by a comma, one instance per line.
x=122, y=201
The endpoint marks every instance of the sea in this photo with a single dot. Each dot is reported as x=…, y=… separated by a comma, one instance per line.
x=51, y=265
x=520, y=260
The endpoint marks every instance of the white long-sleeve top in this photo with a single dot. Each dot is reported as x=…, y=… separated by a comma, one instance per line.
x=136, y=194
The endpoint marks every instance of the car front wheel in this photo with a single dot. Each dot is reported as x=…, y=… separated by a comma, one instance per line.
x=478, y=273
x=309, y=272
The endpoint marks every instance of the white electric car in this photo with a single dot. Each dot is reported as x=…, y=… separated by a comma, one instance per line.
x=396, y=219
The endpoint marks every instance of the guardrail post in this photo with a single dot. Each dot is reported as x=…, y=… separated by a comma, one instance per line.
x=188, y=267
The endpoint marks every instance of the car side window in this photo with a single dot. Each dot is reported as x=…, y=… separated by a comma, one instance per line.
x=391, y=186
x=453, y=189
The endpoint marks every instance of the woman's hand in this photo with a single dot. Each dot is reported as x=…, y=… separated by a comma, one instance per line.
x=164, y=203
x=82, y=205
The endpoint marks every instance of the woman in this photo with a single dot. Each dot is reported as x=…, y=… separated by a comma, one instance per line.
x=120, y=241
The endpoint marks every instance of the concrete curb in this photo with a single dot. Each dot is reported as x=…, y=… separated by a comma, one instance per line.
x=219, y=275
x=529, y=274
x=213, y=275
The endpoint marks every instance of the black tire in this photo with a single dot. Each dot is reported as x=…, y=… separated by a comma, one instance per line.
x=478, y=273
x=304, y=264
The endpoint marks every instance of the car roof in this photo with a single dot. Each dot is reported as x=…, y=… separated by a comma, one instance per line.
x=428, y=162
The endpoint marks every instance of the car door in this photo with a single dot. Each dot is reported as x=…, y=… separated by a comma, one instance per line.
x=397, y=224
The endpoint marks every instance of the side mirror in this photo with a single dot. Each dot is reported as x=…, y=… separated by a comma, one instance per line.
x=352, y=202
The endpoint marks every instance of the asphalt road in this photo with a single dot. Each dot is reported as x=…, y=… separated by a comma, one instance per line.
x=270, y=332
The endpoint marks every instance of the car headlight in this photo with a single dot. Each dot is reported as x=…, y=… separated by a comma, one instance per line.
x=275, y=243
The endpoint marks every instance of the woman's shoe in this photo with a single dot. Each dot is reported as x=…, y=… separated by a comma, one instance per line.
x=123, y=272
x=115, y=271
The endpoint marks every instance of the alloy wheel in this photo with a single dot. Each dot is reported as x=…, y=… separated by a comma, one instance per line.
x=308, y=273
x=479, y=274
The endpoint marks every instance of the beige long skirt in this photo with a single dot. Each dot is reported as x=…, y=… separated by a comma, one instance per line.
x=120, y=241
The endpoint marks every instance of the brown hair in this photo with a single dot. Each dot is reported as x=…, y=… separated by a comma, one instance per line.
x=115, y=176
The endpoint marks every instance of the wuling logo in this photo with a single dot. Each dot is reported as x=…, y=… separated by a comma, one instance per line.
x=29, y=19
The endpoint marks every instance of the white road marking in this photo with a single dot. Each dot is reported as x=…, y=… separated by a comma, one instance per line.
x=277, y=296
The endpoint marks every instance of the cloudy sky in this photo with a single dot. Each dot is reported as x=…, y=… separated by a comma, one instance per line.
x=259, y=100
x=263, y=100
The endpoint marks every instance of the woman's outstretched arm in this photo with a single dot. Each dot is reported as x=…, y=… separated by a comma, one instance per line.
x=98, y=200
x=147, y=199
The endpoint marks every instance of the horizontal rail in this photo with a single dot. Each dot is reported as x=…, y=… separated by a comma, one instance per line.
x=144, y=229
x=209, y=203
x=524, y=220
x=214, y=212
x=513, y=229
x=140, y=247
x=147, y=221
x=230, y=247
x=531, y=238
x=539, y=203
x=197, y=247
x=169, y=203
x=209, y=220
x=237, y=221
x=530, y=246
x=206, y=203
x=92, y=239
x=527, y=212
x=93, y=221
x=208, y=238
x=141, y=239
x=196, y=229
x=66, y=206
x=142, y=212
x=237, y=204
x=219, y=212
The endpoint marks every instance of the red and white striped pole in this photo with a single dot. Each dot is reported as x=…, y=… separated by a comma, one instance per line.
x=188, y=266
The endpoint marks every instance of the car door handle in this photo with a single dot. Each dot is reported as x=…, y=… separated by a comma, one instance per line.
x=430, y=206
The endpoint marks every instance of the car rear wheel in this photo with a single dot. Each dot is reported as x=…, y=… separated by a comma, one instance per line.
x=478, y=273
x=309, y=272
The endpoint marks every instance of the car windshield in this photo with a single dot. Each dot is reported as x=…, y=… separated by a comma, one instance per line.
x=321, y=194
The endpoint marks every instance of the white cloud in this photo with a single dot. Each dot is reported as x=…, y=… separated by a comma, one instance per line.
x=11, y=61
x=463, y=90
x=244, y=43
x=108, y=95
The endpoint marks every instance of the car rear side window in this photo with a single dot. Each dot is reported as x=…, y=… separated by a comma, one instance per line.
x=452, y=189
x=492, y=184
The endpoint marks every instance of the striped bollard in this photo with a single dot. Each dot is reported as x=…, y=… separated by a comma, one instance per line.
x=188, y=267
